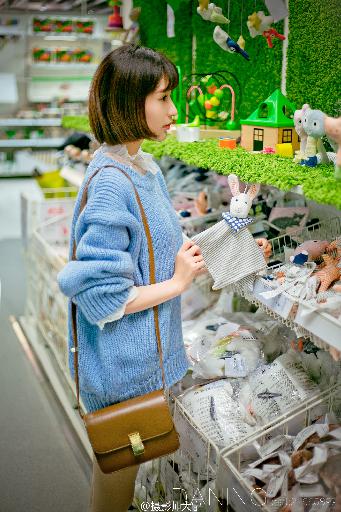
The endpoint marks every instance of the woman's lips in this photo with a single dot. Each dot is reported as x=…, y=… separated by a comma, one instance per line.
x=167, y=126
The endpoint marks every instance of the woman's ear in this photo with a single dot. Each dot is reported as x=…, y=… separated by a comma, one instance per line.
x=253, y=190
x=234, y=184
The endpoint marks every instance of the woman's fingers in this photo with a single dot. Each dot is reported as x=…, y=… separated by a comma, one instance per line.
x=194, y=250
x=198, y=259
x=186, y=245
x=202, y=270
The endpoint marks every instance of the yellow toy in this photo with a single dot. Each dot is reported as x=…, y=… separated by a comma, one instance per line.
x=285, y=149
x=203, y=4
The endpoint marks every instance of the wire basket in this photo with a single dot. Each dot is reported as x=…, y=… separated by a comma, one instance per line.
x=46, y=255
x=324, y=230
x=54, y=202
x=237, y=490
x=285, y=308
x=199, y=475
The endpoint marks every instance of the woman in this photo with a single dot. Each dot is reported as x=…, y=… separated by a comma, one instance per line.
x=109, y=281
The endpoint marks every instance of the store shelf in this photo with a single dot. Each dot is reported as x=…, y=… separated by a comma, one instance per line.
x=320, y=327
x=69, y=36
x=73, y=176
x=14, y=144
x=308, y=319
x=233, y=463
x=70, y=66
x=15, y=122
x=11, y=31
x=318, y=184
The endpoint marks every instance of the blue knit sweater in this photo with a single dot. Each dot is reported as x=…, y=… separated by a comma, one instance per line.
x=121, y=361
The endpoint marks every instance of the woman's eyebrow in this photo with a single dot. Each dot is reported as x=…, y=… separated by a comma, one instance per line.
x=164, y=90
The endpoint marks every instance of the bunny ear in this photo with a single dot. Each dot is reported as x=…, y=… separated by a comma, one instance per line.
x=253, y=190
x=234, y=184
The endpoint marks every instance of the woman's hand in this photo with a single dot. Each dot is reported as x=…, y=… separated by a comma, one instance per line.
x=189, y=263
x=265, y=247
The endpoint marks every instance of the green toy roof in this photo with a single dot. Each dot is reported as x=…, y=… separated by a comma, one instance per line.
x=275, y=112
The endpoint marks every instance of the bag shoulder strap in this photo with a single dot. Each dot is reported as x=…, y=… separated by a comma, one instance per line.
x=74, y=349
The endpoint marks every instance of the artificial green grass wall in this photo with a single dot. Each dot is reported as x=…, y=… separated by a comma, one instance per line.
x=153, y=31
x=314, y=66
x=258, y=78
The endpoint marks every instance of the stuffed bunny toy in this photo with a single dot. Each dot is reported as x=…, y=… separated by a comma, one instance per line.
x=229, y=250
x=241, y=202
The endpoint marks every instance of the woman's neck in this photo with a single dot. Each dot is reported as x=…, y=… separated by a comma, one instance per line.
x=133, y=147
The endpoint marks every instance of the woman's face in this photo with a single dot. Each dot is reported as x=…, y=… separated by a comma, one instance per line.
x=159, y=110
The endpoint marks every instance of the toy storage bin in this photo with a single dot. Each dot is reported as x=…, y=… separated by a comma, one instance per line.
x=236, y=490
x=320, y=326
x=46, y=254
x=208, y=482
x=52, y=203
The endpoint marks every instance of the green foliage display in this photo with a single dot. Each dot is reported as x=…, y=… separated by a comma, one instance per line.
x=318, y=183
x=78, y=123
x=314, y=66
x=153, y=30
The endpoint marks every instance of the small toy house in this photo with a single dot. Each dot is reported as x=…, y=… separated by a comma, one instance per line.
x=270, y=124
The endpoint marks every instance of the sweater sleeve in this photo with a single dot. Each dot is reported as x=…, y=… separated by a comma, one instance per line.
x=120, y=311
x=100, y=280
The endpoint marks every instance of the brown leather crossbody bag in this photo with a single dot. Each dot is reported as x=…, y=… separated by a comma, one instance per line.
x=139, y=429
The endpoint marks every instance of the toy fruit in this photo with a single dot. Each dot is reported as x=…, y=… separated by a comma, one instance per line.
x=211, y=89
x=201, y=99
x=214, y=101
x=218, y=93
x=208, y=105
x=211, y=114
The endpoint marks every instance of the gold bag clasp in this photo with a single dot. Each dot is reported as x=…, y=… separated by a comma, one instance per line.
x=136, y=443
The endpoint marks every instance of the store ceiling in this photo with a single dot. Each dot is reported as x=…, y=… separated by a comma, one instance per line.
x=90, y=7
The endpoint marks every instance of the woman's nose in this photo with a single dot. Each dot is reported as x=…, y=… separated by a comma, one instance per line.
x=172, y=110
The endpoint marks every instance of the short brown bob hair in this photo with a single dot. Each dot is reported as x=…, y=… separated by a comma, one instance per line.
x=119, y=89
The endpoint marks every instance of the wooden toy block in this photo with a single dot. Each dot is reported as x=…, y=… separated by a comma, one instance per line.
x=227, y=143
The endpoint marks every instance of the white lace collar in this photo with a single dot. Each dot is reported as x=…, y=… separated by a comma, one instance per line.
x=142, y=162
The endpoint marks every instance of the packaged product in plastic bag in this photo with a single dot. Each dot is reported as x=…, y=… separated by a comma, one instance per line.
x=220, y=417
x=235, y=355
x=276, y=388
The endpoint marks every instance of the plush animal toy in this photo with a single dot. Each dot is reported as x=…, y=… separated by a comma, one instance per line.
x=271, y=34
x=226, y=43
x=327, y=275
x=313, y=122
x=298, y=122
x=230, y=252
x=313, y=249
x=258, y=22
x=260, y=25
x=333, y=131
x=210, y=12
x=241, y=201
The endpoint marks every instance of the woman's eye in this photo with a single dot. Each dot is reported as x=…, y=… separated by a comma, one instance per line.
x=164, y=97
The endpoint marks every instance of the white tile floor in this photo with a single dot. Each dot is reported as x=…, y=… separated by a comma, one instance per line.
x=41, y=466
